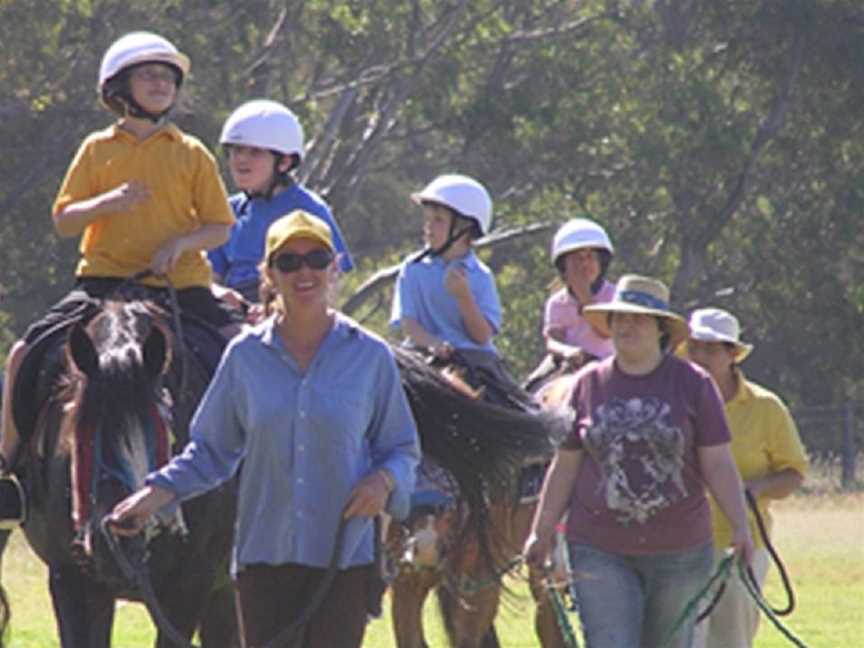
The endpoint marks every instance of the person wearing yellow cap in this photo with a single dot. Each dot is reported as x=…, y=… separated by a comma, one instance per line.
x=142, y=195
x=311, y=403
x=648, y=437
x=768, y=452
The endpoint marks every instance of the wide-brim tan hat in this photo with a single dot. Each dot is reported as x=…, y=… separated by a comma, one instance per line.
x=639, y=295
x=718, y=325
x=297, y=224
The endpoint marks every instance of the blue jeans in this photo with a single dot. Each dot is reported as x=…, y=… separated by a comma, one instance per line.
x=634, y=601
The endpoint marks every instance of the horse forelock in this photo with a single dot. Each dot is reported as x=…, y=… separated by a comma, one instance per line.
x=118, y=402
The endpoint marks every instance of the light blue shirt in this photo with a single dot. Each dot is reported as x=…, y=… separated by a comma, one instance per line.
x=421, y=295
x=236, y=261
x=304, y=439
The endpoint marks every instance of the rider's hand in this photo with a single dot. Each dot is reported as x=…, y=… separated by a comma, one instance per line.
x=456, y=281
x=167, y=255
x=125, y=196
x=369, y=496
x=538, y=548
x=131, y=514
x=574, y=356
x=230, y=296
x=442, y=350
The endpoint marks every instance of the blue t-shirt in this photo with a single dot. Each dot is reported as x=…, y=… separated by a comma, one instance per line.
x=237, y=260
x=421, y=295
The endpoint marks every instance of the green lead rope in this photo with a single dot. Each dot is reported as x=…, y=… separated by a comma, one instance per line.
x=561, y=615
x=722, y=574
x=756, y=595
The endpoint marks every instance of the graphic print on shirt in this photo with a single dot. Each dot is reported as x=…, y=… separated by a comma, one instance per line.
x=640, y=455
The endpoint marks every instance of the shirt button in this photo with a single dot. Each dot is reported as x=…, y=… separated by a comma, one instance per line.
x=301, y=448
x=299, y=480
x=303, y=415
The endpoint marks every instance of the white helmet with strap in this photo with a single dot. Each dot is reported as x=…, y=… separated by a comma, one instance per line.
x=264, y=124
x=577, y=234
x=140, y=47
x=463, y=195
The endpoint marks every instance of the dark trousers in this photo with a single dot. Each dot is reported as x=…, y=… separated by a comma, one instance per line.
x=272, y=597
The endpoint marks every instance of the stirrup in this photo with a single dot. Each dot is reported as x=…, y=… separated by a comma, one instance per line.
x=13, y=502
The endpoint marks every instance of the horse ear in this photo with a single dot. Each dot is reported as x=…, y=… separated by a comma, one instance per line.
x=81, y=351
x=156, y=355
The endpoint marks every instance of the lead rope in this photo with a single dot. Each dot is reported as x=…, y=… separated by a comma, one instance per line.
x=139, y=577
x=723, y=572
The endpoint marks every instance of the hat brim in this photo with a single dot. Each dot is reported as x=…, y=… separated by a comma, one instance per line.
x=308, y=234
x=598, y=316
x=742, y=349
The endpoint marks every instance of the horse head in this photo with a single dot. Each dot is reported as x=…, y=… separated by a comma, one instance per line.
x=116, y=423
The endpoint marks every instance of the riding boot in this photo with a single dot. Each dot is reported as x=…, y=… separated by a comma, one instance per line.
x=13, y=502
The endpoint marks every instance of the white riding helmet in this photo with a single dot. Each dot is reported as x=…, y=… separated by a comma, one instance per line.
x=264, y=124
x=140, y=47
x=462, y=194
x=577, y=234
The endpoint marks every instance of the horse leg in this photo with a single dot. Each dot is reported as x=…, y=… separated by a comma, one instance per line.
x=182, y=600
x=468, y=623
x=84, y=610
x=219, y=620
x=407, y=595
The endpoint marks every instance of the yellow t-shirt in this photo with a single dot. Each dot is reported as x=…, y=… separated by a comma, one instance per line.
x=186, y=193
x=764, y=440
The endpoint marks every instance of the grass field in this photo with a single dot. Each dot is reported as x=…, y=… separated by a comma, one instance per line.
x=820, y=537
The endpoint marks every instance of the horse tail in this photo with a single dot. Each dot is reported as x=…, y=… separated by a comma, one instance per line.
x=480, y=444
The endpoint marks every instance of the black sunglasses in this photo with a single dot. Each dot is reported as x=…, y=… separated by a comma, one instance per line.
x=291, y=262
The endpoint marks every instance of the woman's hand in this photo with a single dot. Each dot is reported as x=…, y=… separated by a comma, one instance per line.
x=742, y=545
x=369, y=496
x=538, y=548
x=131, y=514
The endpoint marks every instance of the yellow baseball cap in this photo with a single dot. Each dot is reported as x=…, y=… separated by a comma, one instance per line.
x=297, y=224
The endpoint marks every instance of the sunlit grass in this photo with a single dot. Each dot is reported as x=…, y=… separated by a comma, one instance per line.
x=819, y=536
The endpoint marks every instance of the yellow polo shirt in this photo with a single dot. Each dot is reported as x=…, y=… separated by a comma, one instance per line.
x=186, y=193
x=764, y=440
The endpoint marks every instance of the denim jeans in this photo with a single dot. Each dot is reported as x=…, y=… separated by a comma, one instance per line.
x=634, y=601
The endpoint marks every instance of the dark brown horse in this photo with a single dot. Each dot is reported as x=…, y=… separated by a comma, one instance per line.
x=462, y=550
x=121, y=403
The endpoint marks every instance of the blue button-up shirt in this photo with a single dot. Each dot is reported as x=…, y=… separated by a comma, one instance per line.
x=237, y=260
x=421, y=295
x=305, y=439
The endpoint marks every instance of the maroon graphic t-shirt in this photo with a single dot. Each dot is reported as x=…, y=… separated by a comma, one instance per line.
x=640, y=489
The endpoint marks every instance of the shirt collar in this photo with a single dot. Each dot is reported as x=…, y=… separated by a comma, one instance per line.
x=469, y=261
x=343, y=327
x=168, y=130
x=742, y=393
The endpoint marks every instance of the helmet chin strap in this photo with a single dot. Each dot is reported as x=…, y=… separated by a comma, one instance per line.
x=452, y=237
x=276, y=178
x=134, y=109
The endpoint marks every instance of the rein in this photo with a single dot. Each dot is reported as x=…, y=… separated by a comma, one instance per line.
x=136, y=572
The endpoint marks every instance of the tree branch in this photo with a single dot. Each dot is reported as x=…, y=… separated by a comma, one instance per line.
x=384, y=277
